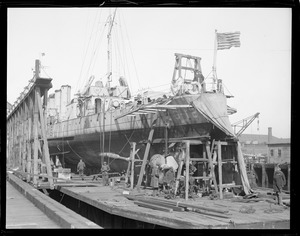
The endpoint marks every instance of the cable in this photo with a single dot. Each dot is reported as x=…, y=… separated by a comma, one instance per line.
x=132, y=56
x=84, y=58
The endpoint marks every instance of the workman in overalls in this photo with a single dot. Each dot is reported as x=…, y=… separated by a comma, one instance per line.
x=279, y=182
x=104, y=169
x=80, y=168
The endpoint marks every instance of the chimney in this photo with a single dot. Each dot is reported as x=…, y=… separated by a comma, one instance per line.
x=269, y=134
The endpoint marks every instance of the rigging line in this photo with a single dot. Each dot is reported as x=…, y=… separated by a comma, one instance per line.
x=99, y=119
x=227, y=88
x=128, y=139
x=95, y=52
x=132, y=55
x=109, y=141
x=73, y=150
x=86, y=51
x=123, y=58
x=121, y=55
x=45, y=72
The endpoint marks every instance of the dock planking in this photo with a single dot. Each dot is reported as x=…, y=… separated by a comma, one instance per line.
x=112, y=201
x=23, y=214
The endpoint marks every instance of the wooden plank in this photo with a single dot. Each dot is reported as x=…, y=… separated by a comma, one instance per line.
x=163, y=204
x=209, y=213
x=199, y=159
x=151, y=206
x=179, y=204
x=202, y=177
x=182, y=139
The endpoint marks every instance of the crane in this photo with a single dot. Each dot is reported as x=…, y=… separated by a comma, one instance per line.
x=244, y=123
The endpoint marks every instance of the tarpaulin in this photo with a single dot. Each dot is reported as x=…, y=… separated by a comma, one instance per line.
x=214, y=108
x=242, y=170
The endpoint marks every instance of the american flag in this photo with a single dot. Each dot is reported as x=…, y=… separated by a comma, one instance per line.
x=228, y=40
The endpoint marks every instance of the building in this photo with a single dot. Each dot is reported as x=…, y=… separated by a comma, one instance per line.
x=266, y=145
x=279, y=151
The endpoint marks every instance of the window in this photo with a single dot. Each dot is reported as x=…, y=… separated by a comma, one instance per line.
x=279, y=152
x=97, y=105
x=271, y=152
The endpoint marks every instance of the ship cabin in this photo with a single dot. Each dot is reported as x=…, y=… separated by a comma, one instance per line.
x=92, y=100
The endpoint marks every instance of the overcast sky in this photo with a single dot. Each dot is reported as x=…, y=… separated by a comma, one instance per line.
x=257, y=74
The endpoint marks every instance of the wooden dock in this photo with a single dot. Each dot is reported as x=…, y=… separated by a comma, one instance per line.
x=21, y=193
x=109, y=199
x=23, y=214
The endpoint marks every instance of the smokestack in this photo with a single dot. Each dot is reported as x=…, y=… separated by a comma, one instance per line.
x=269, y=134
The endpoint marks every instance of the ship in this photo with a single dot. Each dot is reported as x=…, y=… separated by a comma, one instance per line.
x=102, y=121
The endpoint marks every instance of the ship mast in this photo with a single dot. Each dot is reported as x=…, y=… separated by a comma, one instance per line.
x=110, y=22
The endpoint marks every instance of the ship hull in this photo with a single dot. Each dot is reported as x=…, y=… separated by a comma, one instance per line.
x=88, y=137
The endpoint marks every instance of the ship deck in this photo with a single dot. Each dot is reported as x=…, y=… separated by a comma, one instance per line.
x=110, y=199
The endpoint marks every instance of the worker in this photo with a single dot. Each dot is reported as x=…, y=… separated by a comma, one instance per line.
x=104, y=169
x=278, y=183
x=80, y=168
x=154, y=179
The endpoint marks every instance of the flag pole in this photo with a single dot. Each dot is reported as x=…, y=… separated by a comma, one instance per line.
x=215, y=56
x=214, y=68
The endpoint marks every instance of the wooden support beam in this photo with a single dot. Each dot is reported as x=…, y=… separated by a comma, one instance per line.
x=178, y=177
x=263, y=174
x=166, y=139
x=220, y=169
x=146, y=154
x=211, y=165
x=187, y=169
x=44, y=137
x=35, y=147
x=133, y=144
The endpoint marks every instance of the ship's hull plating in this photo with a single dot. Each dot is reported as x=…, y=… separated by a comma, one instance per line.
x=87, y=137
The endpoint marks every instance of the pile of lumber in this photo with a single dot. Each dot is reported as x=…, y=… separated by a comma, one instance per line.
x=170, y=206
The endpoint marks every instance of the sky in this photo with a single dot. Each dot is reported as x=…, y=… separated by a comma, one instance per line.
x=74, y=43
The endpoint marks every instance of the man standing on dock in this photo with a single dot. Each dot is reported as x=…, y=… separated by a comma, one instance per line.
x=278, y=183
x=105, y=168
x=80, y=168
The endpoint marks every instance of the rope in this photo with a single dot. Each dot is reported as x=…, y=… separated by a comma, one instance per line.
x=109, y=141
x=84, y=58
x=132, y=55
x=73, y=150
